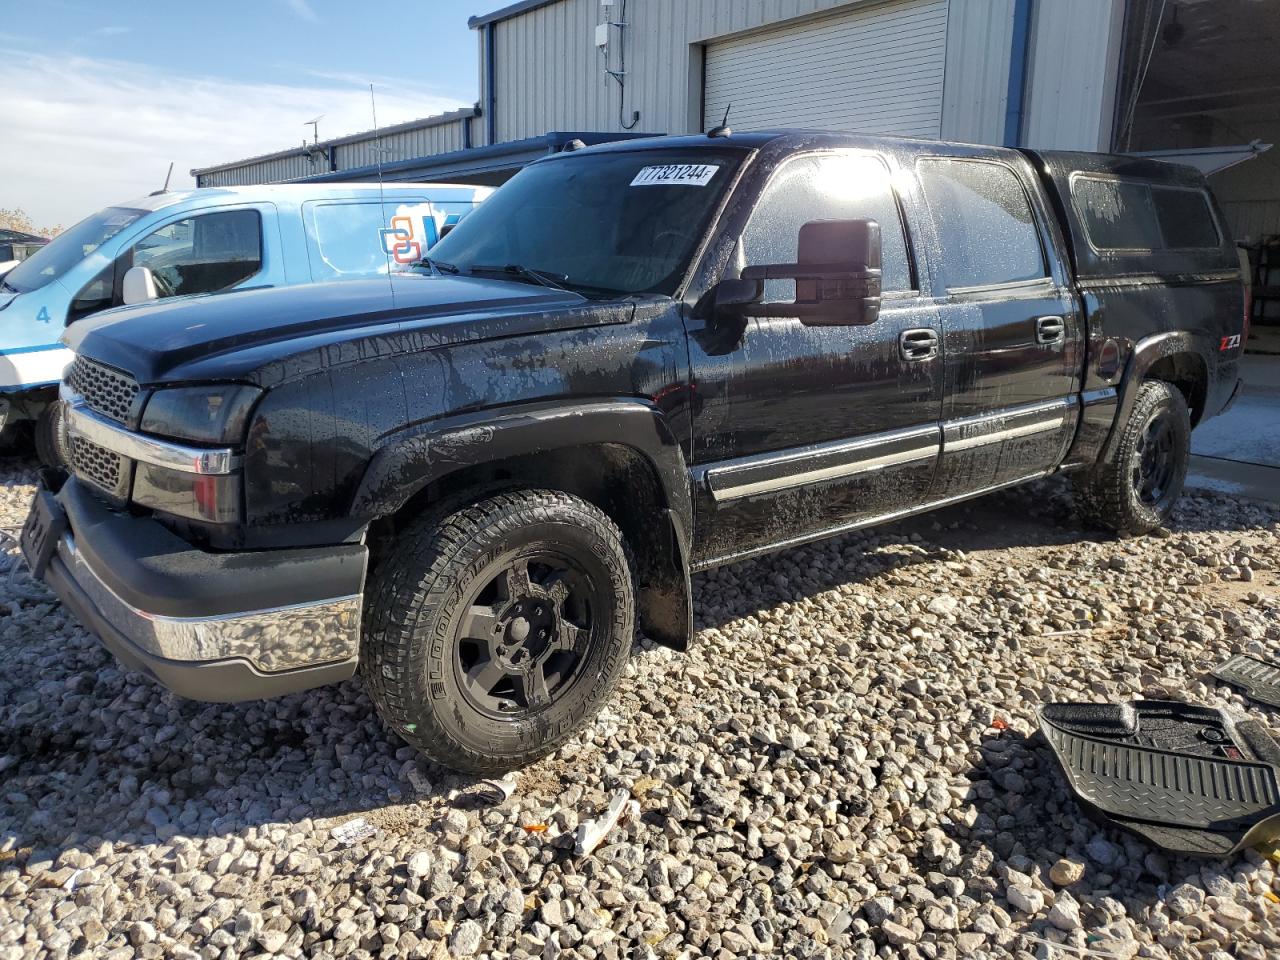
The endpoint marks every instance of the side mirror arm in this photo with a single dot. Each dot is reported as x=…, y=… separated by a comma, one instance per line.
x=730, y=298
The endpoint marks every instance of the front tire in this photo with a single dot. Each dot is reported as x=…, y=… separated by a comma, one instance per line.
x=48, y=428
x=1136, y=493
x=494, y=634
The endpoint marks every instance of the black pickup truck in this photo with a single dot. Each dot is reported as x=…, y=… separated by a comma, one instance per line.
x=473, y=482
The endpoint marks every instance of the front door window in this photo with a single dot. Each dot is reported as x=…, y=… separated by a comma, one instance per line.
x=202, y=254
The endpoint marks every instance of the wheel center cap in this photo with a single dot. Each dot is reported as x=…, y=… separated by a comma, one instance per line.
x=526, y=634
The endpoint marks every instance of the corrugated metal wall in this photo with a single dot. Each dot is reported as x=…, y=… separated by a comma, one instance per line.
x=403, y=142
x=1075, y=52
x=272, y=170
x=404, y=145
x=976, y=95
x=550, y=75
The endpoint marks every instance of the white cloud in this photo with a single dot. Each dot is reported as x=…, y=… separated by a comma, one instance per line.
x=82, y=133
x=302, y=10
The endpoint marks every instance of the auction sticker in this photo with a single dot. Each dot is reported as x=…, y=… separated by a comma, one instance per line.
x=676, y=174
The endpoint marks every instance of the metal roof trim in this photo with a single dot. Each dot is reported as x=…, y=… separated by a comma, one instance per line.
x=507, y=12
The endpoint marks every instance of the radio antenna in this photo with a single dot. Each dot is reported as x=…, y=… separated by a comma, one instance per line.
x=382, y=196
x=165, y=188
x=724, y=130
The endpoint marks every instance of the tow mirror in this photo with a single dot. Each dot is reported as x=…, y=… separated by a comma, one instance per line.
x=139, y=285
x=837, y=275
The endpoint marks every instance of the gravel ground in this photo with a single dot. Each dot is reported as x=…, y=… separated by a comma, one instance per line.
x=843, y=766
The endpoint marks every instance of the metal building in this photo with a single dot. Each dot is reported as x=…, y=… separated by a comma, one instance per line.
x=1196, y=77
x=554, y=70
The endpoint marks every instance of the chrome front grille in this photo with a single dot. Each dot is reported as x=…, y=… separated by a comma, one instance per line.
x=105, y=390
x=97, y=464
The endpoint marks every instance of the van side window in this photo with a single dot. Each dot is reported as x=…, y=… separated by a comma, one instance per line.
x=825, y=187
x=1132, y=215
x=1186, y=222
x=352, y=239
x=984, y=222
x=202, y=254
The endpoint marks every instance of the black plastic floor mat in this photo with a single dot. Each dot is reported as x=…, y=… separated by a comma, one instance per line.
x=1187, y=778
x=1259, y=679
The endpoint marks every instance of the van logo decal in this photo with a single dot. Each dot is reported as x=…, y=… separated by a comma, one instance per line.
x=398, y=240
x=1229, y=343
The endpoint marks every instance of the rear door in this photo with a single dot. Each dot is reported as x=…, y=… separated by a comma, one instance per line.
x=1011, y=328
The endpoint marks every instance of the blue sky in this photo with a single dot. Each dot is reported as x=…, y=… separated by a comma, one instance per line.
x=100, y=96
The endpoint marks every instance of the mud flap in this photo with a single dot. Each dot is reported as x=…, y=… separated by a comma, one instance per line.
x=1258, y=679
x=1186, y=778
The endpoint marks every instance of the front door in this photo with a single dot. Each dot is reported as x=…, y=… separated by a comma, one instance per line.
x=1012, y=331
x=798, y=430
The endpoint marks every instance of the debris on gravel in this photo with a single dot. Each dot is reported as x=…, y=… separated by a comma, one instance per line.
x=844, y=764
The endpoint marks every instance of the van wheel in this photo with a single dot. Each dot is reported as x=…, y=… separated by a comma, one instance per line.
x=48, y=427
x=1137, y=492
x=493, y=634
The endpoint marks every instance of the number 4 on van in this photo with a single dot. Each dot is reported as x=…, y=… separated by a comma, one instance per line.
x=43, y=315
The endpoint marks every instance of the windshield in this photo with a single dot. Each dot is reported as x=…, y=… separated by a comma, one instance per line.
x=67, y=249
x=606, y=224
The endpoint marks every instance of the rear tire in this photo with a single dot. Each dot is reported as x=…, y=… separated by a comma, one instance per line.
x=493, y=634
x=1136, y=493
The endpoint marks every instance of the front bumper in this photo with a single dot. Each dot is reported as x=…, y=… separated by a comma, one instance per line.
x=219, y=627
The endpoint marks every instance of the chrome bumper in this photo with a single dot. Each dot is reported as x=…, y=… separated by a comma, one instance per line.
x=270, y=641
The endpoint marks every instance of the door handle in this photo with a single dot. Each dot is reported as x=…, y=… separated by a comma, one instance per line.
x=919, y=344
x=1050, y=329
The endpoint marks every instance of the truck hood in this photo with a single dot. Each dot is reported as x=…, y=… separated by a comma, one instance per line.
x=232, y=335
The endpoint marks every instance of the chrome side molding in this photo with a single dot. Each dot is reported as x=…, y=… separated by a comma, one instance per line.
x=797, y=467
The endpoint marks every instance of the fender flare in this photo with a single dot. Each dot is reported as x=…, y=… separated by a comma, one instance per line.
x=410, y=459
x=1145, y=354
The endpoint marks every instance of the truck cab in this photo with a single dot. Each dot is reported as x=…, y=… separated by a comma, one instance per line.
x=472, y=483
x=197, y=242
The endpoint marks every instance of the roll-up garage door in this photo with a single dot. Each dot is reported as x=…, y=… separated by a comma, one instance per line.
x=876, y=68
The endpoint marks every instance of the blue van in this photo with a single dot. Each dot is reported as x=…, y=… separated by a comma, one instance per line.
x=198, y=242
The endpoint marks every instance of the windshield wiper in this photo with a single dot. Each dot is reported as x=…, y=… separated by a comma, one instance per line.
x=439, y=266
x=541, y=277
x=6, y=285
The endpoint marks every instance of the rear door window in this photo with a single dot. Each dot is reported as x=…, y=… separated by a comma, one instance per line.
x=1132, y=215
x=984, y=221
x=202, y=254
x=826, y=187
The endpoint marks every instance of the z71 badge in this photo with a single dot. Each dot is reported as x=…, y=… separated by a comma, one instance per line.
x=1229, y=343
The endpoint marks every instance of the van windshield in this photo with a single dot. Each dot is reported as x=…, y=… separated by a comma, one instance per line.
x=68, y=248
x=603, y=224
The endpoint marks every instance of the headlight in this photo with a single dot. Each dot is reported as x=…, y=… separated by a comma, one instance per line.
x=216, y=414
x=207, y=415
